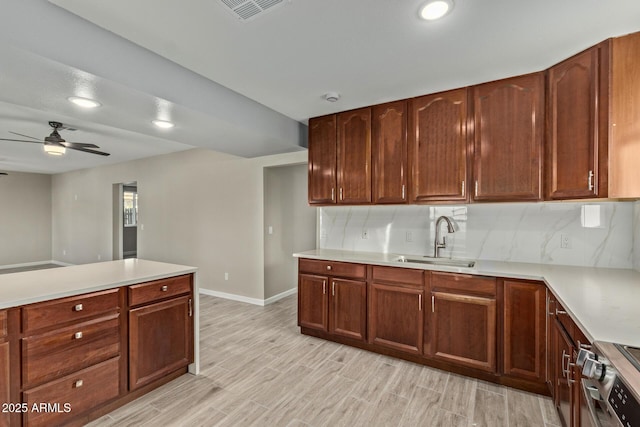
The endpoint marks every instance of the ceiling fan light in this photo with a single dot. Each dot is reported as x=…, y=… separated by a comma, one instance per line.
x=163, y=124
x=435, y=9
x=84, y=102
x=54, y=149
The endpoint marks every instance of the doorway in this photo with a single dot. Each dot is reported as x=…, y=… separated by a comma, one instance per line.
x=125, y=220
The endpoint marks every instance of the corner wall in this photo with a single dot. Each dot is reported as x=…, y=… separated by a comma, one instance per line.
x=25, y=218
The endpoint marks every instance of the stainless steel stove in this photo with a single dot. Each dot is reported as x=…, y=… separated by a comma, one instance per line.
x=611, y=384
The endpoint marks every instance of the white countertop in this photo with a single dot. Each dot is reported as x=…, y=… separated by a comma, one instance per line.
x=604, y=302
x=41, y=285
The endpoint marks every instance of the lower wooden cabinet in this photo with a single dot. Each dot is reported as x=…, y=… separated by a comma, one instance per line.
x=563, y=387
x=5, y=375
x=313, y=302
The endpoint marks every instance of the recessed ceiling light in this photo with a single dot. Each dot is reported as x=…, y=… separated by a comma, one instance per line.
x=84, y=102
x=436, y=9
x=163, y=124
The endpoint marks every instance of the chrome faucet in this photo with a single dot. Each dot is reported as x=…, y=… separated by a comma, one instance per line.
x=436, y=244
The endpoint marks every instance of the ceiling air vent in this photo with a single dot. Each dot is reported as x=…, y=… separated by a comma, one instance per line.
x=247, y=10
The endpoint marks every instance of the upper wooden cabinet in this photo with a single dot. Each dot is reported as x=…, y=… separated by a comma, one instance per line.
x=322, y=160
x=354, y=156
x=577, y=138
x=509, y=131
x=389, y=147
x=438, y=147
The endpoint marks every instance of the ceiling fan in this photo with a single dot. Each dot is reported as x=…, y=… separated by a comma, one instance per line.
x=55, y=145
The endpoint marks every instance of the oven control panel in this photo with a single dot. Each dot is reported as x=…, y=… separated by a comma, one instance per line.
x=624, y=404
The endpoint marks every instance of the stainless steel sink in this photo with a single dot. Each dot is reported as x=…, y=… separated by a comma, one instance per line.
x=438, y=261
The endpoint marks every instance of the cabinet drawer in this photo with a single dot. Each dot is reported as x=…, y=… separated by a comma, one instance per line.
x=82, y=391
x=463, y=283
x=53, y=354
x=333, y=268
x=159, y=289
x=3, y=324
x=60, y=311
x=399, y=275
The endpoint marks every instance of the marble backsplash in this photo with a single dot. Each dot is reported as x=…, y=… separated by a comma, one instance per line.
x=595, y=234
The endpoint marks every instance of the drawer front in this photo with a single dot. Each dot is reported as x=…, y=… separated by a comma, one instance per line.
x=333, y=268
x=159, y=289
x=77, y=308
x=399, y=275
x=57, y=353
x=73, y=395
x=3, y=324
x=463, y=283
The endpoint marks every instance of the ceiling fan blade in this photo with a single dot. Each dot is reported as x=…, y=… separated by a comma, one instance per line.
x=86, y=150
x=78, y=145
x=20, y=140
x=26, y=136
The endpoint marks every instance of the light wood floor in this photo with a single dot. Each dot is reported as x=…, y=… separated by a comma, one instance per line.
x=258, y=370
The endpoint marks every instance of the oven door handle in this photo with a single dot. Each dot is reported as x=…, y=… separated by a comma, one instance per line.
x=589, y=400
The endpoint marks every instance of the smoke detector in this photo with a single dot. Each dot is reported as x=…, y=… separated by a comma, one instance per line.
x=248, y=10
x=331, y=96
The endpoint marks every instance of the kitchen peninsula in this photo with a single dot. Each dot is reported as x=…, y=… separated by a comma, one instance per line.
x=86, y=339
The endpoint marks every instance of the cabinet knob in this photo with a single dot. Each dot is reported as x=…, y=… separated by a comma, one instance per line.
x=328, y=267
x=165, y=288
x=78, y=307
x=78, y=383
x=78, y=335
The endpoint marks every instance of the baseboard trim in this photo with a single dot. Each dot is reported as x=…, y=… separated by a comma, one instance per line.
x=60, y=263
x=31, y=264
x=254, y=301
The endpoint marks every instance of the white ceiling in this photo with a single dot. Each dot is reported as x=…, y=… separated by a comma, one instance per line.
x=369, y=51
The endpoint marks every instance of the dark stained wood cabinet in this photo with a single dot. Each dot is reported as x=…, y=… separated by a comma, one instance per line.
x=396, y=309
x=160, y=329
x=508, y=139
x=313, y=302
x=5, y=370
x=462, y=320
x=564, y=395
x=524, y=329
x=322, y=160
x=354, y=156
x=577, y=137
x=348, y=308
x=389, y=152
x=438, y=141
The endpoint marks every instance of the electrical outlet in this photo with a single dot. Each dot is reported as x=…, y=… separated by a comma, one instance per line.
x=565, y=241
x=270, y=230
x=365, y=234
x=226, y=276
x=64, y=252
x=409, y=236
x=99, y=257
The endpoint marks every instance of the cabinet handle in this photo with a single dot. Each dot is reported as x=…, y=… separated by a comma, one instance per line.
x=324, y=287
x=403, y=192
x=341, y=194
x=463, y=187
x=77, y=335
x=78, y=383
x=333, y=194
x=433, y=304
x=419, y=302
x=78, y=307
x=333, y=289
x=476, y=191
x=585, y=346
x=565, y=371
x=165, y=288
x=590, y=180
x=190, y=308
x=559, y=312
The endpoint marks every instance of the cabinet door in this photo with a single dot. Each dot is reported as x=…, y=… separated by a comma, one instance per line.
x=322, y=160
x=509, y=128
x=354, y=156
x=438, y=147
x=313, y=302
x=160, y=340
x=563, y=395
x=396, y=317
x=463, y=330
x=389, y=146
x=573, y=140
x=348, y=308
x=524, y=333
x=5, y=391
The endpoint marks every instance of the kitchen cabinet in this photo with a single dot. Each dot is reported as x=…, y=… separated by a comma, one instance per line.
x=564, y=383
x=438, y=140
x=354, y=156
x=524, y=329
x=334, y=302
x=576, y=145
x=160, y=329
x=322, y=160
x=396, y=309
x=5, y=371
x=462, y=320
x=389, y=152
x=508, y=137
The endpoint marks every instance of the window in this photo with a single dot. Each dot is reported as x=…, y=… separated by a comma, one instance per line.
x=130, y=208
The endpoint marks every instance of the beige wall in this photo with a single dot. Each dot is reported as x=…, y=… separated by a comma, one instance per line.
x=197, y=207
x=25, y=218
x=293, y=223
